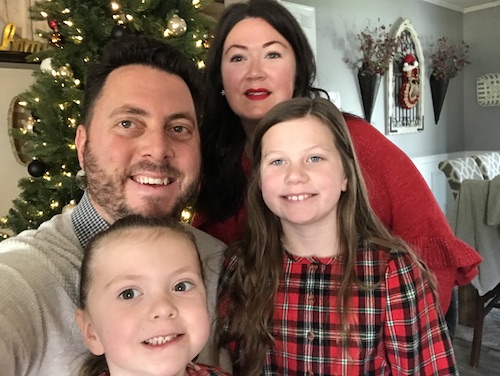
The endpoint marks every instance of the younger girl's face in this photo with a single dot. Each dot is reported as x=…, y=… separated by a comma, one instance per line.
x=258, y=69
x=146, y=308
x=301, y=172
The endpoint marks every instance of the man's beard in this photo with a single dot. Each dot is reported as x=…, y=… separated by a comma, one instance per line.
x=107, y=191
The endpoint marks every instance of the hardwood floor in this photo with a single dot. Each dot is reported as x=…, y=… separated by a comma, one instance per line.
x=489, y=363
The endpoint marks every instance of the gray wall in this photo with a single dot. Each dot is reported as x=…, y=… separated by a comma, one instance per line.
x=482, y=28
x=339, y=21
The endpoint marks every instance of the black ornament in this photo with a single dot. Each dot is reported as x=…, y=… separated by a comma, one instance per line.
x=36, y=168
x=119, y=31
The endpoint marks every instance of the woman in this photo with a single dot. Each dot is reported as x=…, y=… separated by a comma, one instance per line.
x=261, y=57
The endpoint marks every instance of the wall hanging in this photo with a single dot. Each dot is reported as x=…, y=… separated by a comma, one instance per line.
x=19, y=121
x=377, y=47
x=446, y=61
x=488, y=90
x=404, y=86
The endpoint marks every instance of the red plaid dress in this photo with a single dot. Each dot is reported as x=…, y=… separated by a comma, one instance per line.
x=396, y=327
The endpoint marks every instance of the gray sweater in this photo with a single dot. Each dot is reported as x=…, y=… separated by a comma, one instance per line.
x=39, y=279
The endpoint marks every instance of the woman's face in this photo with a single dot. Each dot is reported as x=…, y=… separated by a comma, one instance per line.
x=258, y=70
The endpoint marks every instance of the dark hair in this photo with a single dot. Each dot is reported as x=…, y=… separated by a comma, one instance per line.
x=140, y=50
x=253, y=286
x=222, y=136
x=96, y=364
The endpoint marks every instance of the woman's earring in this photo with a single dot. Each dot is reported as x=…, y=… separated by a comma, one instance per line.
x=222, y=92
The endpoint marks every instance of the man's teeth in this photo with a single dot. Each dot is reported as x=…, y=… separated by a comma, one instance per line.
x=298, y=197
x=152, y=181
x=160, y=340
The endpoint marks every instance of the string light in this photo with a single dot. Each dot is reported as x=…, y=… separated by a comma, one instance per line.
x=187, y=215
x=196, y=3
x=54, y=204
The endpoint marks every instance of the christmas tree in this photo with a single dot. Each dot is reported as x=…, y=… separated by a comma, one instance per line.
x=77, y=31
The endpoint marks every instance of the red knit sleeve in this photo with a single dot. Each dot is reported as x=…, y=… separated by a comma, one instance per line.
x=403, y=201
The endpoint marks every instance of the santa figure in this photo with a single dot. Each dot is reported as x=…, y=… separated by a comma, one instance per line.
x=410, y=88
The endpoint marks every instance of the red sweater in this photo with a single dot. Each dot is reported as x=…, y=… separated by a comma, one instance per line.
x=403, y=201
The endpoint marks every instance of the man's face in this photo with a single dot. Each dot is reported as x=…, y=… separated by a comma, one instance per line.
x=141, y=150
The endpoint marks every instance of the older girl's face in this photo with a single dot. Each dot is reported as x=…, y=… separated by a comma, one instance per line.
x=258, y=70
x=301, y=171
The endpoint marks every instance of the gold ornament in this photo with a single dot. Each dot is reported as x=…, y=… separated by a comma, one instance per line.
x=56, y=39
x=176, y=26
x=65, y=71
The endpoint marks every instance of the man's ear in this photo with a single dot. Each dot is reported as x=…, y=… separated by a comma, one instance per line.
x=90, y=338
x=80, y=142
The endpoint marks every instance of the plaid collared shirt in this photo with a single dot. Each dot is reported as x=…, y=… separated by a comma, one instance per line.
x=395, y=326
x=87, y=221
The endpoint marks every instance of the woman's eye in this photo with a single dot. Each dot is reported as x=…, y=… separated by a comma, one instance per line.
x=274, y=55
x=126, y=123
x=277, y=162
x=183, y=286
x=130, y=294
x=236, y=58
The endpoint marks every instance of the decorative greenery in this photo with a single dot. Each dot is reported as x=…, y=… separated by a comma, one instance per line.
x=448, y=59
x=377, y=47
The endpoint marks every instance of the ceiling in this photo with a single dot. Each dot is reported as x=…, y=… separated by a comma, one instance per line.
x=465, y=6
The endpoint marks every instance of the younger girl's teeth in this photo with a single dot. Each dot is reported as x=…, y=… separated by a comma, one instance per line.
x=298, y=198
x=160, y=340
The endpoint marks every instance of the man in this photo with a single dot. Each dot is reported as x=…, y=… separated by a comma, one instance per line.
x=140, y=149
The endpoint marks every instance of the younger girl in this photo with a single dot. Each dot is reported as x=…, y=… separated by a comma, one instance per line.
x=143, y=308
x=318, y=285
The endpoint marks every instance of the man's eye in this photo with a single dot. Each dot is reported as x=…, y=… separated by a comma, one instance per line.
x=179, y=129
x=130, y=294
x=183, y=286
x=126, y=123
